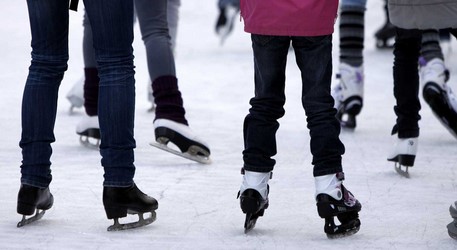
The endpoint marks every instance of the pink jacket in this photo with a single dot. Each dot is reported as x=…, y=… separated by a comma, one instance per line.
x=289, y=17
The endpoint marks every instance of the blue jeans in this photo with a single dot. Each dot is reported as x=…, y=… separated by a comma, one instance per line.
x=112, y=23
x=315, y=62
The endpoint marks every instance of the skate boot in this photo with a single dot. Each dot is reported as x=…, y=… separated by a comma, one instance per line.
x=89, y=131
x=253, y=196
x=119, y=201
x=403, y=154
x=385, y=36
x=348, y=94
x=32, y=200
x=225, y=21
x=452, y=227
x=333, y=199
x=438, y=94
x=190, y=146
x=76, y=95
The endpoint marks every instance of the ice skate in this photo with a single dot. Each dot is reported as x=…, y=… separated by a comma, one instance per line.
x=225, y=21
x=76, y=95
x=348, y=94
x=118, y=201
x=253, y=196
x=452, y=227
x=89, y=131
x=403, y=154
x=385, y=36
x=181, y=136
x=33, y=201
x=438, y=94
x=333, y=199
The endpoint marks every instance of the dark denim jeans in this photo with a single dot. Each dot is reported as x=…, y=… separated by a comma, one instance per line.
x=112, y=23
x=313, y=56
x=406, y=82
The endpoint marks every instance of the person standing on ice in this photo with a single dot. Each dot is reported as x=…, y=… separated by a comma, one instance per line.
x=308, y=26
x=418, y=58
x=428, y=14
x=170, y=123
x=112, y=23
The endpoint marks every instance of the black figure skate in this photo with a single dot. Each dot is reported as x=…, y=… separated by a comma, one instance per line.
x=190, y=146
x=334, y=200
x=33, y=200
x=119, y=201
x=253, y=196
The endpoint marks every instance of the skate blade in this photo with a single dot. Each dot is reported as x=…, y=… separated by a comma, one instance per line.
x=399, y=170
x=343, y=235
x=198, y=158
x=89, y=142
x=140, y=223
x=25, y=221
x=249, y=223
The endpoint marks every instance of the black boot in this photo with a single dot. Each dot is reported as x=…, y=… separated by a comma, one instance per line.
x=32, y=199
x=119, y=201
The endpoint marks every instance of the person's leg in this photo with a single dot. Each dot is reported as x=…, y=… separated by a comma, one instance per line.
x=91, y=78
x=348, y=93
x=313, y=55
x=406, y=91
x=112, y=39
x=314, y=58
x=49, y=28
x=112, y=25
x=173, y=20
x=228, y=11
x=152, y=17
x=406, y=82
x=170, y=123
x=261, y=124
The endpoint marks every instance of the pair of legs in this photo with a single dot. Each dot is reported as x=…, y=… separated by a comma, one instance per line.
x=49, y=25
x=152, y=17
x=313, y=57
x=112, y=21
x=170, y=122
